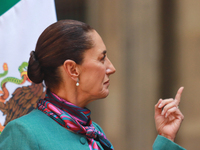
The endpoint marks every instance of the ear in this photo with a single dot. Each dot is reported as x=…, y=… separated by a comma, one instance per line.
x=71, y=68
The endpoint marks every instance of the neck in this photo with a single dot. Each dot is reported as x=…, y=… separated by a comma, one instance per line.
x=71, y=95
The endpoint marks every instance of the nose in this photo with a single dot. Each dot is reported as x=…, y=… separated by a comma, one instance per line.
x=110, y=69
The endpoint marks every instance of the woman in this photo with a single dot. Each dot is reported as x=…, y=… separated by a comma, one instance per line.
x=70, y=57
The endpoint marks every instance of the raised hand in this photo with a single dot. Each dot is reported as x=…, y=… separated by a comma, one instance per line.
x=168, y=117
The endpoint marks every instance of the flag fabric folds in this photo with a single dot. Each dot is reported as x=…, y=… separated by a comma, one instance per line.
x=21, y=23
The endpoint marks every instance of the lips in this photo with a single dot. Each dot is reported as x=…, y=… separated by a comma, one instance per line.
x=107, y=82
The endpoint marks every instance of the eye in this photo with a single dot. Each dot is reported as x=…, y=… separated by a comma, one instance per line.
x=103, y=58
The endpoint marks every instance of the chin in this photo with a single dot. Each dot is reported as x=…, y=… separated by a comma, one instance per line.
x=102, y=94
x=105, y=94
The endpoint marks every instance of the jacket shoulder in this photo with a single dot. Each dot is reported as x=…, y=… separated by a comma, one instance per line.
x=37, y=131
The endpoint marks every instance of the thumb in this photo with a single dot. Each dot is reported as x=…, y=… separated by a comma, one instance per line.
x=157, y=109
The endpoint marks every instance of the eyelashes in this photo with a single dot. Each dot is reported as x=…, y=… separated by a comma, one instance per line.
x=103, y=59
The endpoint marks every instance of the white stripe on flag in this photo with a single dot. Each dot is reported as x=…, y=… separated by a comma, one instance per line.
x=20, y=28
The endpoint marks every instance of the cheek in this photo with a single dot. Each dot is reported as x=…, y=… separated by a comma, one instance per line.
x=93, y=79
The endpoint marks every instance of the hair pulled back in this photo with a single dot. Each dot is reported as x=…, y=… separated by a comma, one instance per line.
x=65, y=39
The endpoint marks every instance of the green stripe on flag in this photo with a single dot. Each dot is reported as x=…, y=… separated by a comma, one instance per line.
x=5, y=5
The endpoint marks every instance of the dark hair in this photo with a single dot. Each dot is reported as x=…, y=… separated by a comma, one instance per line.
x=65, y=39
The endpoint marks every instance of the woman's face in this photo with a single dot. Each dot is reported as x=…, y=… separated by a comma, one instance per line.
x=95, y=70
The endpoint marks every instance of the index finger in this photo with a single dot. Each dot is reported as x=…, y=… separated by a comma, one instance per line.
x=178, y=95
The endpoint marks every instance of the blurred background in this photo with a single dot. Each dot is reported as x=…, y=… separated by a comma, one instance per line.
x=155, y=47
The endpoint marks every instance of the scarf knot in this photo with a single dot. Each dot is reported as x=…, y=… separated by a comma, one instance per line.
x=91, y=132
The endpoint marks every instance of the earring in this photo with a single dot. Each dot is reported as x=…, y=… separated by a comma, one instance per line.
x=77, y=83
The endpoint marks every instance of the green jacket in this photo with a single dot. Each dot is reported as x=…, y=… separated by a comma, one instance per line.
x=37, y=131
x=162, y=143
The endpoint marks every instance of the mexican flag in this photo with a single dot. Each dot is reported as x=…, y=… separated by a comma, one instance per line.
x=21, y=23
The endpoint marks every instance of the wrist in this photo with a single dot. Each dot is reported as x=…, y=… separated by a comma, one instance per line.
x=167, y=136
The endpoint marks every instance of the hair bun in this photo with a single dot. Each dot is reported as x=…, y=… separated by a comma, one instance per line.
x=32, y=54
x=35, y=73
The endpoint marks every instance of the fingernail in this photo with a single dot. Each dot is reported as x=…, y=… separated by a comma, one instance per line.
x=160, y=105
x=162, y=113
x=166, y=115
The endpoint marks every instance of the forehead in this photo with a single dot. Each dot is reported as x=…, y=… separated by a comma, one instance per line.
x=99, y=46
x=98, y=42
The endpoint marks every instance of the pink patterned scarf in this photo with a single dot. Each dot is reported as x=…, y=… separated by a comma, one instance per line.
x=73, y=118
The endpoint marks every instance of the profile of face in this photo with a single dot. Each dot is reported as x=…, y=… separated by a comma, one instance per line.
x=95, y=70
